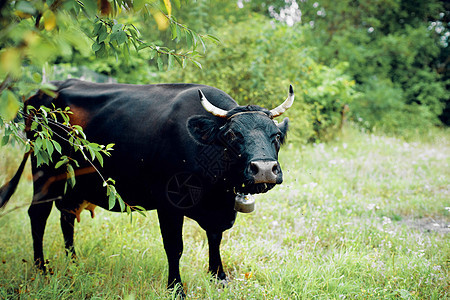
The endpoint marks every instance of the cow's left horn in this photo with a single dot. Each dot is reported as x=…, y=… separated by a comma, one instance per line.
x=278, y=111
x=211, y=108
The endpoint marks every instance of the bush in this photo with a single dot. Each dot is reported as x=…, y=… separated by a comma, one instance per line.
x=381, y=107
x=257, y=68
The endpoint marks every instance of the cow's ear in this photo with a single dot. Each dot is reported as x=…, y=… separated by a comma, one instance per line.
x=283, y=126
x=202, y=129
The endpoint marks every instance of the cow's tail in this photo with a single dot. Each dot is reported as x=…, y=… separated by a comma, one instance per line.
x=8, y=189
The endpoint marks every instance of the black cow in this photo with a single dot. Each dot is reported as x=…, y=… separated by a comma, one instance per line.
x=182, y=149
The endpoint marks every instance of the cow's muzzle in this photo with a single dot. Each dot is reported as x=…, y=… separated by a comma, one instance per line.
x=265, y=171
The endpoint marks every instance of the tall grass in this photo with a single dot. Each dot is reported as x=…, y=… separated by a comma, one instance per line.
x=364, y=216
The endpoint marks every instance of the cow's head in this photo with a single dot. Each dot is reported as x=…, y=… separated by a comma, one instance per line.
x=250, y=139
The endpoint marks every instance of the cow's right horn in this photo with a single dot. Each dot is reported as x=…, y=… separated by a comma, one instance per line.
x=278, y=111
x=218, y=112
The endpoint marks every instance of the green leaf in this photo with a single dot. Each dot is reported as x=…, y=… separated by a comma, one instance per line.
x=99, y=158
x=203, y=44
x=189, y=39
x=117, y=27
x=50, y=148
x=199, y=65
x=170, y=62
x=79, y=130
x=173, y=29
x=153, y=53
x=57, y=146
x=41, y=157
x=178, y=28
x=96, y=46
x=179, y=60
x=126, y=52
x=213, y=38
x=122, y=37
x=121, y=203
x=137, y=207
x=37, y=145
x=60, y=163
x=113, y=37
x=76, y=163
x=71, y=175
x=34, y=125
x=130, y=214
x=113, y=47
x=5, y=140
x=97, y=27
x=92, y=152
x=111, y=200
x=9, y=105
x=160, y=63
x=141, y=213
x=102, y=34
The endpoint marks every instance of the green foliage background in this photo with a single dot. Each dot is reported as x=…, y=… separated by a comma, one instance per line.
x=386, y=60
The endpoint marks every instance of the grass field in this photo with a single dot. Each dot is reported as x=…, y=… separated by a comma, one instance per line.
x=364, y=217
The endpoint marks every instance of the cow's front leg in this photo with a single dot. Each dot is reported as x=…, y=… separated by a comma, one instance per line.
x=171, y=225
x=67, y=227
x=215, y=261
x=39, y=213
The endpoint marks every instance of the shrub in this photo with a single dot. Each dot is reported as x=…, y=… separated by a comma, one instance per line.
x=257, y=68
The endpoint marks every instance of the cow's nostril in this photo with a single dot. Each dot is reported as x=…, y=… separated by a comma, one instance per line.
x=254, y=168
x=275, y=169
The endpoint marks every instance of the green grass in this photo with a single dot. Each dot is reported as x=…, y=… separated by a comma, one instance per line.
x=364, y=216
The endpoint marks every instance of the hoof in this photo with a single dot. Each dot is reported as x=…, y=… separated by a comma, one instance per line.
x=223, y=283
x=40, y=265
x=70, y=252
x=177, y=292
x=220, y=279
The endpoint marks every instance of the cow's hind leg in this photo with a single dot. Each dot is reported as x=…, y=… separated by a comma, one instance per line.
x=39, y=213
x=171, y=225
x=215, y=261
x=67, y=227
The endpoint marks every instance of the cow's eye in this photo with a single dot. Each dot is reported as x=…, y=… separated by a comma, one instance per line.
x=277, y=141
x=230, y=136
x=239, y=135
x=278, y=137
